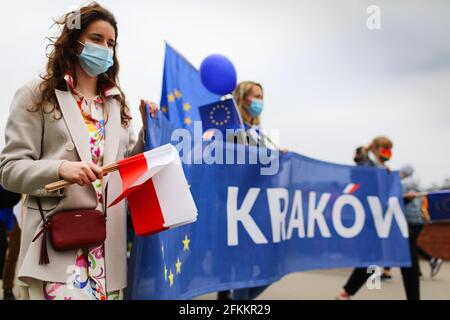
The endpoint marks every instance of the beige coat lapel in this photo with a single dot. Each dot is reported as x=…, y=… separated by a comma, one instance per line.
x=112, y=133
x=79, y=132
x=75, y=124
x=77, y=128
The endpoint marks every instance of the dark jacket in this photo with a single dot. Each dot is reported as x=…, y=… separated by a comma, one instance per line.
x=8, y=199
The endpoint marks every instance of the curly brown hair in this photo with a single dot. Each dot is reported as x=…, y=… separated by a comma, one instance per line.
x=63, y=58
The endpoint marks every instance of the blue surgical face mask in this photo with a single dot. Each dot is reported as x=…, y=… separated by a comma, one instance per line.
x=256, y=107
x=95, y=59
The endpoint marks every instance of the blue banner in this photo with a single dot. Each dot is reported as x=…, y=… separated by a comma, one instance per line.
x=439, y=205
x=253, y=229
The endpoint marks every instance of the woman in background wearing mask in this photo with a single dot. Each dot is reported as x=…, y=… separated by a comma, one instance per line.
x=249, y=100
x=378, y=153
x=249, y=97
x=66, y=126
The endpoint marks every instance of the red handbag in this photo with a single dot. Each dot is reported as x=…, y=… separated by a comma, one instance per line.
x=71, y=229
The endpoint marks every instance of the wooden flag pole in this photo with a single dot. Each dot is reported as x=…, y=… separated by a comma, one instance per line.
x=63, y=183
x=419, y=194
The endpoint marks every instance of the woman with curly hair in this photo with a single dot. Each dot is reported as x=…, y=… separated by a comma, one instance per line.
x=66, y=126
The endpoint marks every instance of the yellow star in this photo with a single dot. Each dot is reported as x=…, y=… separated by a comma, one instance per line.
x=165, y=272
x=178, y=266
x=186, y=242
x=187, y=121
x=164, y=109
x=177, y=93
x=171, y=98
x=186, y=106
x=171, y=278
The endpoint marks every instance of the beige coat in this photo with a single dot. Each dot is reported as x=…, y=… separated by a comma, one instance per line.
x=36, y=145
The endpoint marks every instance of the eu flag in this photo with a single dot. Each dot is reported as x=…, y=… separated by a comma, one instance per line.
x=220, y=115
x=182, y=91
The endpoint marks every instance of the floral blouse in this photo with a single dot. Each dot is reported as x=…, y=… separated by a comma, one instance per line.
x=94, y=119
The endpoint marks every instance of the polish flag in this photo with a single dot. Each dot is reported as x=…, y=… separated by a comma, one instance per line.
x=351, y=188
x=157, y=191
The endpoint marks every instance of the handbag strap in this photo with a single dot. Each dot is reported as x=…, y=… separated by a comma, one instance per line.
x=106, y=201
x=43, y=256
x=40, y=210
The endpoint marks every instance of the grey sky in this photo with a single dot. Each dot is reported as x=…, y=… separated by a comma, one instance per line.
x=330, y=83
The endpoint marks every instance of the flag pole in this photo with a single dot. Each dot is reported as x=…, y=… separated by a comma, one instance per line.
x=63, y=183
x=419, y=194
x=270, y=140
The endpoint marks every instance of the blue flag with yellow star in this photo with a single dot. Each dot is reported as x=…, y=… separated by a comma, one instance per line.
x=220, y=115
x=182, y=91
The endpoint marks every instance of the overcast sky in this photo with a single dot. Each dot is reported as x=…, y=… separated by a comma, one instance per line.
x=331, y=84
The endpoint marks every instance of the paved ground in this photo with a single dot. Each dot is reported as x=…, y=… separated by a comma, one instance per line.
x=324, y=285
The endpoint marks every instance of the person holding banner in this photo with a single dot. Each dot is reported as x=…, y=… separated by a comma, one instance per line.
x=413, y=206
x=65, y=126
x=378, y=153
x=249, y=97
x=361, y=158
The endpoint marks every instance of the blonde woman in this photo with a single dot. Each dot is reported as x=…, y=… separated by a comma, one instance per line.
x=249, y=97
x=66, y=126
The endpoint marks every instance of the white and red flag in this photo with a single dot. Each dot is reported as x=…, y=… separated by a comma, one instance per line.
x=157, y=191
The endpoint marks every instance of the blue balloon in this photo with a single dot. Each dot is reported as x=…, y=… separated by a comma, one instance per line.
x=218, y=74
